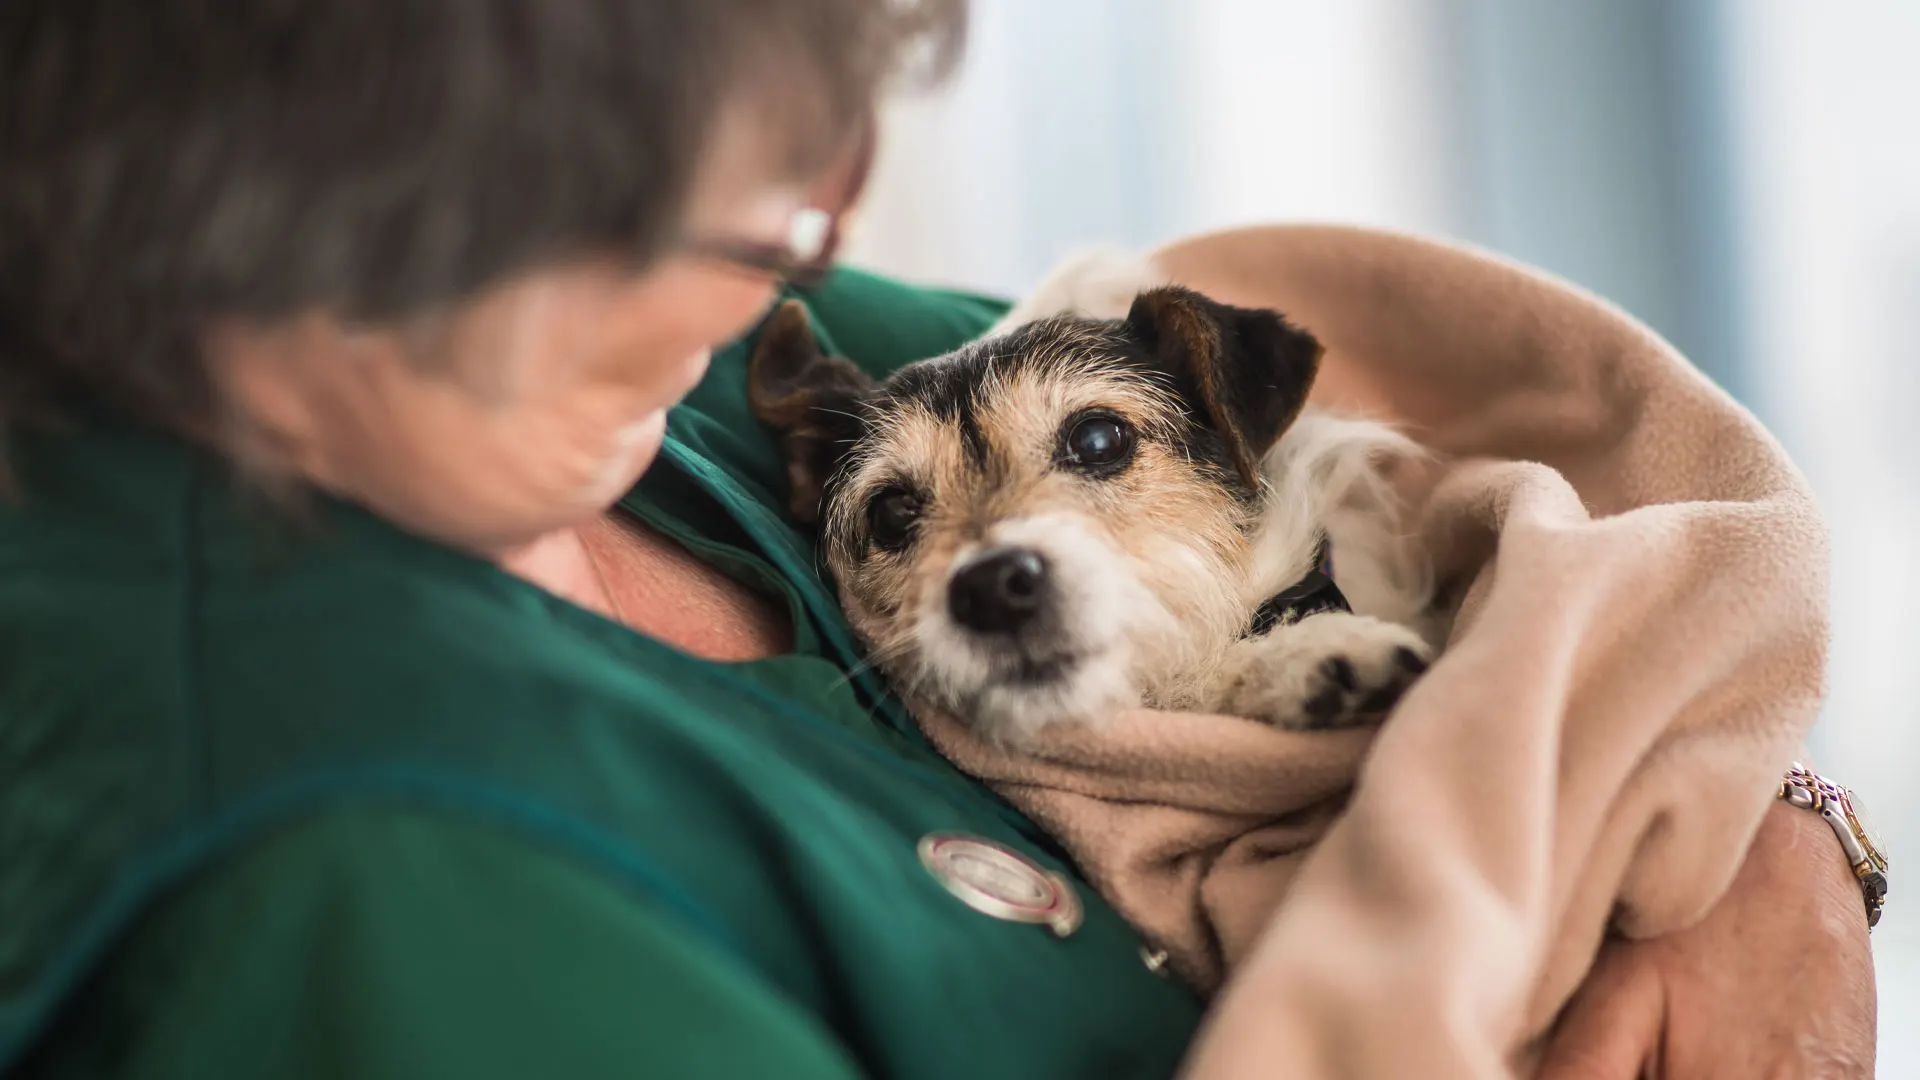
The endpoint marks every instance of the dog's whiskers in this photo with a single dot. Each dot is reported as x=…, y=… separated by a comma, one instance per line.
x=872, y=662
x=837, y=412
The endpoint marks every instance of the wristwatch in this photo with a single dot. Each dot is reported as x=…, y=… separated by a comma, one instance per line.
x=1808, y=790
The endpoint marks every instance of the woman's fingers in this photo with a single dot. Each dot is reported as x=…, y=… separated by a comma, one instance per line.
x=1613, y=1027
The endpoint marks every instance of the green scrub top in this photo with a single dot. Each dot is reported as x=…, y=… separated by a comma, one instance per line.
x=321, y=799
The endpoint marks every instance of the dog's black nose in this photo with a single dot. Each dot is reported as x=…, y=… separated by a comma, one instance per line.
x=999, y=592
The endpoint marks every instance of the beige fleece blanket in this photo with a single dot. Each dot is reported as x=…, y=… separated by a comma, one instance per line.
x=1638, y=655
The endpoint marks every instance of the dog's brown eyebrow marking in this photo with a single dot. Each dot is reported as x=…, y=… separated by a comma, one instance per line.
x=950, y=390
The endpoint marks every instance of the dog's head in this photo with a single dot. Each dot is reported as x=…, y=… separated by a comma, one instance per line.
x=1036, y=526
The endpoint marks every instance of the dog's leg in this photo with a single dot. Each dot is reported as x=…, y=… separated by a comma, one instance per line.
x=1325, y=671
x=1097, y=284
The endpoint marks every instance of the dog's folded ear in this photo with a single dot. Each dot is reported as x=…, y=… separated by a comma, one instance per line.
x=812, y=400
x=1245, y=371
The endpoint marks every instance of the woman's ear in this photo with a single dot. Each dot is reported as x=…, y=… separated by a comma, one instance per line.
x=1244, y=371
x=815, y=402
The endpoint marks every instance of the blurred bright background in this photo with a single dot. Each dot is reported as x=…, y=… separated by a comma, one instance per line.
x=1743, y=175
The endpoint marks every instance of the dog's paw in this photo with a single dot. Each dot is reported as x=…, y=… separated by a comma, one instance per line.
x=1325, y=671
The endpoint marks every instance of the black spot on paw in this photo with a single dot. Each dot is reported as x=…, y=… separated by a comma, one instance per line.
x=1338, y=670
x=1408, y=660
x=1326, y=706
x=1383, y=699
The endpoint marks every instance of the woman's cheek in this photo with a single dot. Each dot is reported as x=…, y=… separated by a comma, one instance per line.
x=634, y=447
x=556, y=471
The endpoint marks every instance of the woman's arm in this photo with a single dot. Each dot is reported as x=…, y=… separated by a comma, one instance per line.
x=1781, y=967
x=377, y=943
x=1776, y=981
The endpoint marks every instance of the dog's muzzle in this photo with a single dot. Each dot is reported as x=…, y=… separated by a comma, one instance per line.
x=1000, y=592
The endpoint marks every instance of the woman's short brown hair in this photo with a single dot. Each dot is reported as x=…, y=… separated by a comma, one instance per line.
x=167, y=161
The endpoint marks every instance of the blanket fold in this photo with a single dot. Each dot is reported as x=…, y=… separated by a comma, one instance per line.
x=1638, y=652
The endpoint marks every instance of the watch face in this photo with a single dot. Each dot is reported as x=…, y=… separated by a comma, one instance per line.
x=1857, y=817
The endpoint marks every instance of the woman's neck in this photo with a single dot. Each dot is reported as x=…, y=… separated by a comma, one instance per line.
x=632, y=574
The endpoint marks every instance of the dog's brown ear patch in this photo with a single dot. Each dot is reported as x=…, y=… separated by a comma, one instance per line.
x=812, y=400
x=1245, y=370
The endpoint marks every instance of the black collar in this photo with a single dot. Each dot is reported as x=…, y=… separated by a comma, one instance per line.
x=1311, y=595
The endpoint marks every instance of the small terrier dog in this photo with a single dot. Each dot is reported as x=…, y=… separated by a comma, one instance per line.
x=1076, y=515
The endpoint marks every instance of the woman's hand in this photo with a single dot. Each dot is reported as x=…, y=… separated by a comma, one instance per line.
x=1776, y=982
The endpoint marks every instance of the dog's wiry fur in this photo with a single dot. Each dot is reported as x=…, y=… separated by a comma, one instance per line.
x=1154, y=566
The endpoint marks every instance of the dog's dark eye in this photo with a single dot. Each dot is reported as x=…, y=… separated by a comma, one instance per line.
x=891, y=516
x=1098, y=442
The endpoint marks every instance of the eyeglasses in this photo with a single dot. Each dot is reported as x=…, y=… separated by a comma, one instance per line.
x=804, y=257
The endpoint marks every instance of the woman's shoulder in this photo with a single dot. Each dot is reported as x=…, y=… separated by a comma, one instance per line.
x=882, y=323
x=179, y=682
x=396, y=941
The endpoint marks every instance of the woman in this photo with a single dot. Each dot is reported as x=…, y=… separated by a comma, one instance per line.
x=392, y=686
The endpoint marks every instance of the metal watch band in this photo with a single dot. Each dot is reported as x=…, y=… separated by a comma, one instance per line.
x=1807, y=790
